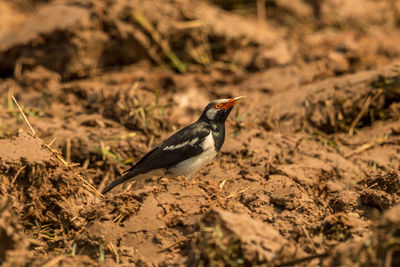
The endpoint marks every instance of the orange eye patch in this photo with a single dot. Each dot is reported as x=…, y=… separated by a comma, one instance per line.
x=218, y=106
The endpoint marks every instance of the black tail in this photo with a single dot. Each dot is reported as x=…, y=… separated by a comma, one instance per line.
x=130, y=174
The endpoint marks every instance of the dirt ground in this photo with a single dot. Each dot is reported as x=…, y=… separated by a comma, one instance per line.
x=309, y=174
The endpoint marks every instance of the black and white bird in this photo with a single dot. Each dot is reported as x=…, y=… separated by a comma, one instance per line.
x=189, y=149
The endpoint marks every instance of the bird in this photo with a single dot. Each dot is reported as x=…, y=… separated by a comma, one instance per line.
x=188, y=150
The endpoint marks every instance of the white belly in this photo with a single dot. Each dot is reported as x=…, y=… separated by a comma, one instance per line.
x=196, y=163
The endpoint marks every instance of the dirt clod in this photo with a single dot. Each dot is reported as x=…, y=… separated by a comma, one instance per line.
x=238, y=239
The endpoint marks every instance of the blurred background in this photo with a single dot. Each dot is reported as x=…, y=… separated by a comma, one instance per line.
x=101, y=82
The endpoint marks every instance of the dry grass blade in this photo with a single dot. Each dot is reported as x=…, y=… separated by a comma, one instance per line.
x=86, y=184
x=52, y=141
x=114, y=251
x=57, y=155
x=233, y=194
x=307, y=258
x=363, y=110
x=62, y=160
x=17, y=174
x=9, y=100
x=221, y=185
x=86, y=164
x=367, y=146
x=119, y=218
x=54, y=261
x=308, y=238
x=160, y=41
x=101, y=251
x=103, y=182
x=389, y=255
x=191, y=24
x=261, y=11
x=73, y=251
x=171, y=246
x=90, y=188
x=151, y=51
x=129, y=186
x=186, y=238
x=68, y=153
x=23, y=115
x=121, y=137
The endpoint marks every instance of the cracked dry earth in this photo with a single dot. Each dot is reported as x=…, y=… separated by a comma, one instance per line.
x=309, y=172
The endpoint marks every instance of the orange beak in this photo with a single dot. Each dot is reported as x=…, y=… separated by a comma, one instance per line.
x=233, y=101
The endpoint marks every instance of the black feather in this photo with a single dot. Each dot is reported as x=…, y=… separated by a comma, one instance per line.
x=120, y=180
x=159, y=158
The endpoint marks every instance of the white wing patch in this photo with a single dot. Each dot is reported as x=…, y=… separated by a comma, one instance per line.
x=195, y=163
x=192, y=142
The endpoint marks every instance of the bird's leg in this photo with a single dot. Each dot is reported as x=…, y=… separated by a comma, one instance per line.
x=163, y=180
x=182, y=178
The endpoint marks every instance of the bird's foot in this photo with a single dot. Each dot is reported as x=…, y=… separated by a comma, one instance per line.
x=163, y=181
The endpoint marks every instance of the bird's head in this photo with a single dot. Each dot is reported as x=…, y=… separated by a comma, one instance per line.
x=218, y=110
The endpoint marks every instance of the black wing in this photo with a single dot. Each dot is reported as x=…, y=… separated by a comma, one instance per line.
x=184, y=144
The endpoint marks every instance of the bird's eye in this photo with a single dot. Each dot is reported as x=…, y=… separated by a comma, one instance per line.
x=218, y=106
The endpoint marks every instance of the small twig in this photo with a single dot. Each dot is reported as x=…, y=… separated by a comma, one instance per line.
x=86, y=164
x=103, y=182
x=191, y=24
x=261, y=12
x=86, y=184
x=309, y=239
x=366, y=146
x=91, y=188
x=68, y=150
x=102, y=150
x=23, y=114
x=389, y=255
x=372, y=185
x=52, y=141
x=221, y=185
x=62, y=160
x=54, y=261
x=129, y=186
x=233, y=194
x=9, y=101
x=157, y=38
x=74, y=164
x=176, y=243
x=119, y=218
x=362, y=112
x=16, y=175
x=293, y=262
x=112, y=248
x=57, y=155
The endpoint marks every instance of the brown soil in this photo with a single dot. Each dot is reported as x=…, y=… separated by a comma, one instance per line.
x=310, y=170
